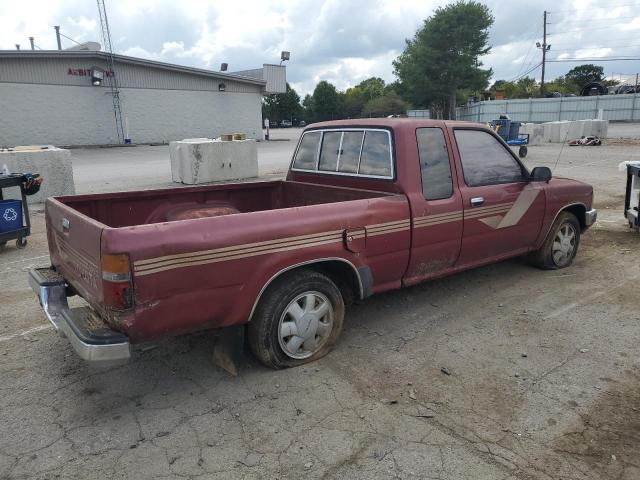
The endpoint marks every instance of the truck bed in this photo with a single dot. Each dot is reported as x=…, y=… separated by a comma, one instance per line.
x=126, y=209
x=200, y=254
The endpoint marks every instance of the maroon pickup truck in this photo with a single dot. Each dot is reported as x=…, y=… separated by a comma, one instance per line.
x=367, y=206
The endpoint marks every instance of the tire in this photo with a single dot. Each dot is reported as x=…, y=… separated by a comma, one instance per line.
x=21, y=242
x=561, y=245
x=274, y=331
x=522, y=151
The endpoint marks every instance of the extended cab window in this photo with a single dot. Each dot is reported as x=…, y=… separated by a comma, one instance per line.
x=308, y=151
x=376, y=154
x=434, y=164
x=485, y=161
x=356, y=152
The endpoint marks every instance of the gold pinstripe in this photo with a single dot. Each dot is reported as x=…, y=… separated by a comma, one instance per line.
x=239, y=252
x=235, y=247
x=200, y=261
x=168, y=262
x=79, y=257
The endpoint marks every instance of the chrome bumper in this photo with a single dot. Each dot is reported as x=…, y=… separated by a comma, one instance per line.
x=590, y=217
x=103, y=347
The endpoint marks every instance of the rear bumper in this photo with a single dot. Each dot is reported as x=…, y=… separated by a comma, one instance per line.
x=89, y=336
x=590, y=217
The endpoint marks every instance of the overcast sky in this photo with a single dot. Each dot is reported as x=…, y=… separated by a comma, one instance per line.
x=341, y=41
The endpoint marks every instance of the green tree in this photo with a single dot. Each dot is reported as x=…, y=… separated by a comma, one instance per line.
x=524, y=88
x=371, y=88
x=583, y=74
x=325, y=102
x=281, y=106
x=443, y=56
x=353, y=102
x=390, y=104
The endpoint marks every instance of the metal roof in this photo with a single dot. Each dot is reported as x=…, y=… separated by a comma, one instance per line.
x=66, y=54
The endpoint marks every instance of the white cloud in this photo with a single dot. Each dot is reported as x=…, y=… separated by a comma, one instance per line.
x=340, y=41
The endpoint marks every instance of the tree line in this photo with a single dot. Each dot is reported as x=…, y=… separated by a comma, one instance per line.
x=569, y=84
x=370, y=98
x=438, y=70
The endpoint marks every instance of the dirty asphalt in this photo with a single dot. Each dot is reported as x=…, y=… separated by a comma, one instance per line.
x=503, y=372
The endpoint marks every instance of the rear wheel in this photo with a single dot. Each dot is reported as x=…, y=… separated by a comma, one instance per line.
x=522, y=151
x=21, y=242
x=561, y=245
x=297, y=321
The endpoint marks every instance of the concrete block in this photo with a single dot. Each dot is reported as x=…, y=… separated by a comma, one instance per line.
x=53, y=164
x=200, y=160
x=535, y=132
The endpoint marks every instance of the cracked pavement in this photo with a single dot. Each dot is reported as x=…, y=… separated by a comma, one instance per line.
x=544, y=379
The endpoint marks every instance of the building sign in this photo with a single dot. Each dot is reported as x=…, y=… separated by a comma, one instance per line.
x=86, y=72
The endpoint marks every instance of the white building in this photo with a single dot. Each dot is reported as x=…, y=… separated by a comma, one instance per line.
x=52, y=97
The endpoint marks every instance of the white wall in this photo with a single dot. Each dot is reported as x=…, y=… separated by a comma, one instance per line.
x=613, y=107
x=69, y=115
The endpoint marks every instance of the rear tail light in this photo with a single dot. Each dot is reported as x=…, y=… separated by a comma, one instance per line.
x=116, y=281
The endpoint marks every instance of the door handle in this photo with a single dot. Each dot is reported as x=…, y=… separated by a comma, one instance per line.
x=477, y=201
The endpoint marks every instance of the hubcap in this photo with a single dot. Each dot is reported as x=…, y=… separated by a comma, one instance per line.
x=564, y=244
x=305, y=325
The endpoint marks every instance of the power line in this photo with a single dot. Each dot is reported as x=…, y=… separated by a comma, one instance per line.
x=528, y=52
x=602, y=20
x=527, y=72
x=601, y=59
x=575, y=47
x=581, y=29
x=608, y=7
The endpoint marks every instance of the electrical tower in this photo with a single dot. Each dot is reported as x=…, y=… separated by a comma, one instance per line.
x=111, y=73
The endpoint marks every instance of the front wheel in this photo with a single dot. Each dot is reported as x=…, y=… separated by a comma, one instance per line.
x=561, y=245
x=297, y=321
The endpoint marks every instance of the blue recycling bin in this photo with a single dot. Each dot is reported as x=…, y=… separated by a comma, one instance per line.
x=503, y=126
x=10, y=215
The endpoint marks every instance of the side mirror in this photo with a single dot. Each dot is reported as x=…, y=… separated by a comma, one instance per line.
x=541, y=174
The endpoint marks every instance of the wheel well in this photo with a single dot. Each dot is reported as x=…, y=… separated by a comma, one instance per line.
x=343, y=275
x=341, y=272
x=579, y=211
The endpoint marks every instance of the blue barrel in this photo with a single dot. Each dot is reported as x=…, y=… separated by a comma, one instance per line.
x=10, y=215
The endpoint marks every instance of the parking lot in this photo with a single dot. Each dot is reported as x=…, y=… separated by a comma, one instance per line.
x=502, y=372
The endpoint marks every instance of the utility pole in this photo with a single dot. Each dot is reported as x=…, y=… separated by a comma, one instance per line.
x=544, y=51
x=57, y=29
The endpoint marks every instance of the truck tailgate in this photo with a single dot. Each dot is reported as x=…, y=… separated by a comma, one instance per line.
x=74, y=246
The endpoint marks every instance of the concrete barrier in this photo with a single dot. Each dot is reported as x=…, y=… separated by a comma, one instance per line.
x=565, y=130
x=52, y=163
x=203, y=160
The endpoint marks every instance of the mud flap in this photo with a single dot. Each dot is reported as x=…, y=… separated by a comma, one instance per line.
x=228, y=349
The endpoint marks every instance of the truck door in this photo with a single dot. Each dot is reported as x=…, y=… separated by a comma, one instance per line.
x=503, y=211
x=436, y=209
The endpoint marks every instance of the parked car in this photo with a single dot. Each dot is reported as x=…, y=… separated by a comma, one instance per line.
x=286, y=124
x=367, y=206
x=302, y=123
x=273, y=124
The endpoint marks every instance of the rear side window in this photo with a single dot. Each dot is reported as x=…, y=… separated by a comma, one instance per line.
x=364, y=152
x=485, y=161
x=350, y=152
x=376, y=155
x=329, y=151
x=434, y=164
x=307, y=151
